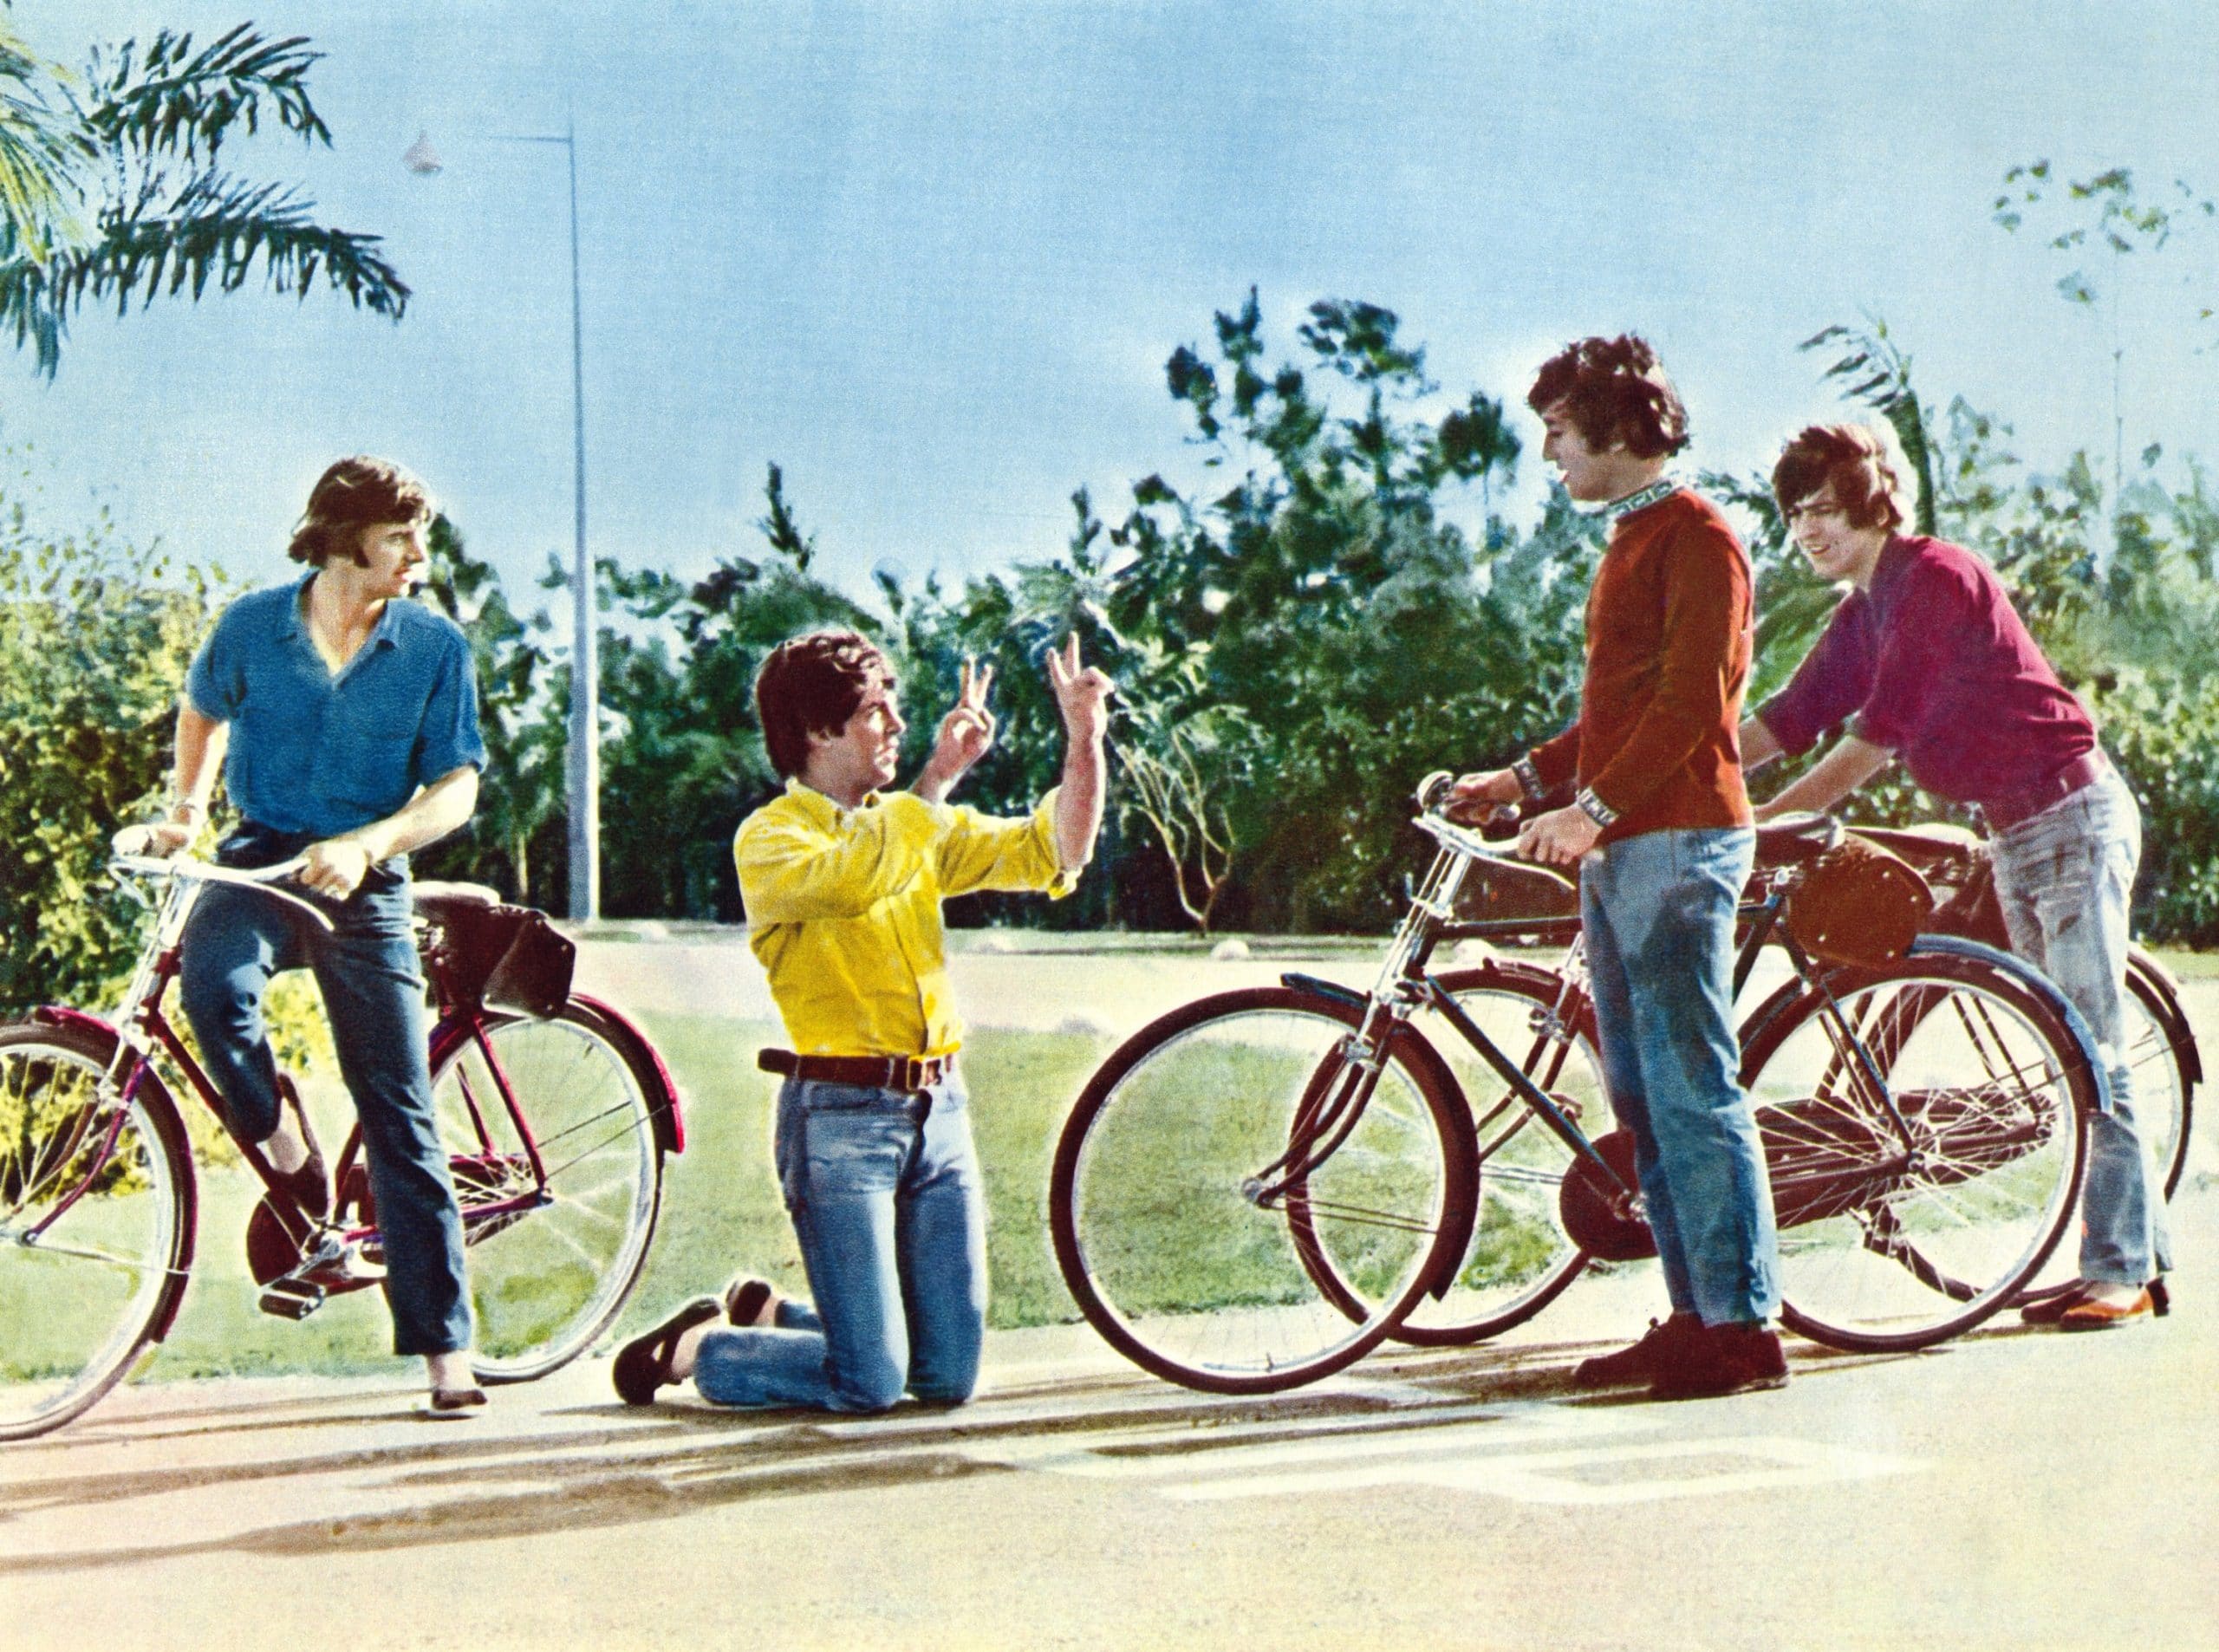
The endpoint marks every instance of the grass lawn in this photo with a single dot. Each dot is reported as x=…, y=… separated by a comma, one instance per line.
x=721, y=1212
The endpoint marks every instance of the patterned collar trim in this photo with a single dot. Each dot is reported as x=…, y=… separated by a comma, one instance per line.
x=1640, y=499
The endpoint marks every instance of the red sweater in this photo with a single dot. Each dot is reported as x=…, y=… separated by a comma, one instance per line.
x=1669, y=629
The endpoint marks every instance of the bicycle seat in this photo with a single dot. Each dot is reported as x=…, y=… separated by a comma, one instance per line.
x=1928, y=847
x=1793, y=840
x=438, y=900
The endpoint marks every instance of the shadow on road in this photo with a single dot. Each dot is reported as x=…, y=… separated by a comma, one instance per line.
x=591, y=1465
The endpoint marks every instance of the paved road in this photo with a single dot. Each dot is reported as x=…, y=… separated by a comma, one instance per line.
x=2012, y=1489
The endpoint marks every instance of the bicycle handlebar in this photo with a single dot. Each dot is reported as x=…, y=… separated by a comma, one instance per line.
x=1468, y=841
x=129, y=854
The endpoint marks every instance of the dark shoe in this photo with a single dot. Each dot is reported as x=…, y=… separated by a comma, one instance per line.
x=455, y=1403
x=2091, y=1314
x=2047, y=1307
x=643, y=1365
x=745, y=1298
x=1737, y=1358
x=1638, y=1366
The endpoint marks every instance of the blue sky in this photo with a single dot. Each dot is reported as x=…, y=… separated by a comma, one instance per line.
x=931, y=257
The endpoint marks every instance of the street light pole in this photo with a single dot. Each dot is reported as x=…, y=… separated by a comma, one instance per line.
x=585, y=661
x=583, y=754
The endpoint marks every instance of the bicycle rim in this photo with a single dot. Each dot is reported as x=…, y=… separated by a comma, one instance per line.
x=547, y=1277
x=1160, y=1236
x=95, y=1231
x=1520, y=1258
x=1893, y=1243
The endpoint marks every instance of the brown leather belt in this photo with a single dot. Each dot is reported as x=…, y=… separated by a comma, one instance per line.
x=2006, y=812
x=877, y=1072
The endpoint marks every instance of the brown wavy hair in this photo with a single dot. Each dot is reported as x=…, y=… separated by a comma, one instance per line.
x=812, y=685
x=1872, y=481
x=355, y=494
x=1614, y=390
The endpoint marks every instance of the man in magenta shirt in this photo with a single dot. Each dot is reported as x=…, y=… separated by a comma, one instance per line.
x=1937, y=668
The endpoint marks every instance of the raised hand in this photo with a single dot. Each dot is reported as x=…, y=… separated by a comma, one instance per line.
x=966, y=734
x=1081, y=692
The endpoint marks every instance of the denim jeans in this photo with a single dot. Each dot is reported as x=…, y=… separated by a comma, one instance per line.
x=366, y=970
x=884, y=1190
x=2064, y=878
x=1657, y=911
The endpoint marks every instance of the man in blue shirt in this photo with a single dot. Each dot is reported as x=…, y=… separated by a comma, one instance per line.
x=344, y=719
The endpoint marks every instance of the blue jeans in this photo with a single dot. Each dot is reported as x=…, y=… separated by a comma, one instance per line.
x=884, y=1191
x=366, y=970
x=1657, y=911
x=2064, y=878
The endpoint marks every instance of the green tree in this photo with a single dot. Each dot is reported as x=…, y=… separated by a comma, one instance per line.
x=115, y=188
x=95, y=635
x=2108, y=216
x=1359, y=636
x=520, y=797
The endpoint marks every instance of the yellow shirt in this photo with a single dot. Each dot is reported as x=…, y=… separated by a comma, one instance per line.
x=843, y=910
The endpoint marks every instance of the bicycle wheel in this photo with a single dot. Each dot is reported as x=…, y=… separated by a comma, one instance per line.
x=96, y=1223
x=1164, y=1225
x=1894, y=1235
x=552, y=1257
x=1520, y=1257
x=2161, y=1055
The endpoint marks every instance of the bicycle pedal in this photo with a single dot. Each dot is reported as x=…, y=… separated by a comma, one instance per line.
x=291, y=1298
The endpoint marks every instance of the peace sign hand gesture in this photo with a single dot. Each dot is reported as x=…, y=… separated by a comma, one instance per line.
x=1081, y=692
x=966, y=734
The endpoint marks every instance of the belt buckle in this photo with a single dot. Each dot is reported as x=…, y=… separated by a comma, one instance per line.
x=909, y=1072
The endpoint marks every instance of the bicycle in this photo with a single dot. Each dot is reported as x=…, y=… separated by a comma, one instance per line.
x=1260, y=1186
x=2161, y=1045
x=557, y=1118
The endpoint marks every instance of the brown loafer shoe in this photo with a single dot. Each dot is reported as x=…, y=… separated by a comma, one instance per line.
x=1641, y=1363
x=1722, y=1360
x=2047, y=1307
x=643, y=1365
x=2091, y=1313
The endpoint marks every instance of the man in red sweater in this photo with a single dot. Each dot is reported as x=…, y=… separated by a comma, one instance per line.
x=1661, y=830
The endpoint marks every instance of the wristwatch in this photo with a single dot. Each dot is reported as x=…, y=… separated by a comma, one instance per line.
x=1594, y=808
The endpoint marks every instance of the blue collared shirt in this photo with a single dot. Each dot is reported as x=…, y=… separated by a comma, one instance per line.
x=322, y=754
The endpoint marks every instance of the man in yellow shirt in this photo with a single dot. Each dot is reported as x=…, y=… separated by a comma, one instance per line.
x=844, y=885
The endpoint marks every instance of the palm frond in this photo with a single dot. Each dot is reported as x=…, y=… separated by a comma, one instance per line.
x=1880, y=378
x=216, y=229
x=173, y=102
x=44, y=150
x=27, y=307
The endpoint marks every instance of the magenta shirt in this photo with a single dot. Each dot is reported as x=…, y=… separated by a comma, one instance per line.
x=1938, y=668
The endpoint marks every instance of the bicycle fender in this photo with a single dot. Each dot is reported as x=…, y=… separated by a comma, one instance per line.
x=158, y=1097
x=1322, y=989
x=61, y=1015
x=670, y=1120
x=2037, y=983
x=2179, y=1032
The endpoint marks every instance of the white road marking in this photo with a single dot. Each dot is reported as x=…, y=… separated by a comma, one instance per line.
x=1157, y=1451
x=1760, y=1463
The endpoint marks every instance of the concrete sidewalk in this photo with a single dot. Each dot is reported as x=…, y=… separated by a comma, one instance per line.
x=1959, y=1498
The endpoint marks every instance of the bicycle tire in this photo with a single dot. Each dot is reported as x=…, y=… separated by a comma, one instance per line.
x=1152, y=1201
x=103, y=1283
x=1880, y=1249
x=2162, y=1053
x=1520, y=1258
x=548, y=1278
